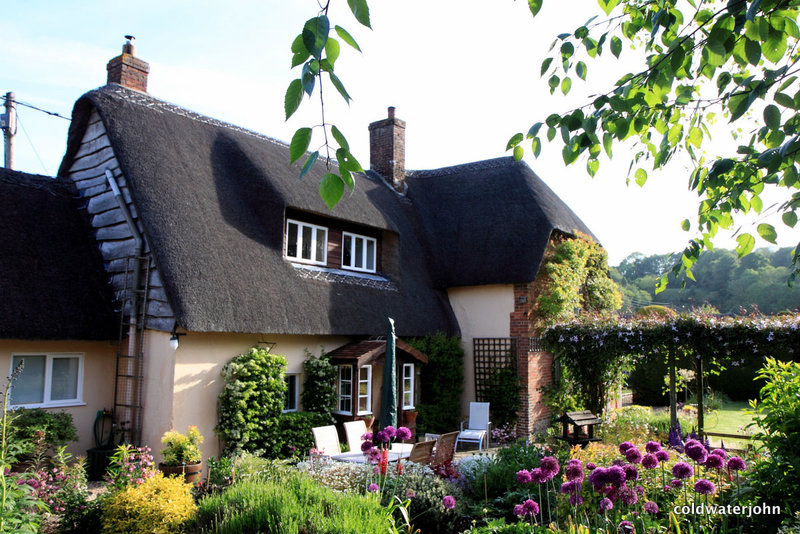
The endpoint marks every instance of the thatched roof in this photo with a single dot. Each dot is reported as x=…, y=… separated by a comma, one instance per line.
x=489, y=222
x=52, y=283
x=212, y=199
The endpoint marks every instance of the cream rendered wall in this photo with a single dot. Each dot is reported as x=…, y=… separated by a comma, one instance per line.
x=481, y=311
x=182, y=386
x=98, y=381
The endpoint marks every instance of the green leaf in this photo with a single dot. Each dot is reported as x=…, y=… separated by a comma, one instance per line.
x=308, y=164
x=331, y=189
x=545, y=65
x=536, y=146
x=789, y=219
x=745, y=244
x=308, y=77
x=784, y=100
x=553, y=83
x=300, y=141
x=567, y=49
x=339, y=137
x=360, y=11
x=686, y=225
x=616, y=46
x=775, y=46
x=294, y=95
x=580, y=70
x=608, y=141
x=301, y=54
x=339, y=87
x=346, y=37
x=332, y=50
x=518, y=153
x=640, y=176
x=772, y=117
x=535, y=6
x=534, y=130
x=662, y=284
x=514, y=141
x=695, y=136
x=347, y=161
x=738, y=105
x=608, y=5
x=753, y=51
x=315, y=35
x=591, y=167
x=566, y=85
x=767, y=232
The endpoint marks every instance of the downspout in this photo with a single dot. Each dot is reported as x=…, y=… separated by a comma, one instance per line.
x=137, y=262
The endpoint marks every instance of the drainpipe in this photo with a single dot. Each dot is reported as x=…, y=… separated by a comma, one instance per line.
x=137, y=262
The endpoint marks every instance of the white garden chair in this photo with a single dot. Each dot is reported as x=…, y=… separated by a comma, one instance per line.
x=354, y=430
x=477, y=427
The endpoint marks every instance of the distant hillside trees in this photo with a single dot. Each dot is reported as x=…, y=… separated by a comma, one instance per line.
x=723, y=281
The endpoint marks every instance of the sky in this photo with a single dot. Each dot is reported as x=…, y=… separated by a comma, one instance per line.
x=463, y=74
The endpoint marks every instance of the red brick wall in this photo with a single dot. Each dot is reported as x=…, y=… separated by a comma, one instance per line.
x=387, y=144
x=129, y=71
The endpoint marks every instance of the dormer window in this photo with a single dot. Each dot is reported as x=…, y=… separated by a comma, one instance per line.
x=358, y=252
x=306, y=243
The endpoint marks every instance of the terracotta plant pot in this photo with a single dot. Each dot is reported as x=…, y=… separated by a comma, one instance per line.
x=190, y=472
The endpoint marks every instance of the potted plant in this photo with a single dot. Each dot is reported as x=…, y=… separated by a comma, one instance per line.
x=181, y=454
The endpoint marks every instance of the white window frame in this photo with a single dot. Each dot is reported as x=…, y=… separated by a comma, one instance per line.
x=339, y=396
x=368, y=396
x=365, y=239
x=287, y=377
x=48, y=380
x=315, y=229
x=408, y=380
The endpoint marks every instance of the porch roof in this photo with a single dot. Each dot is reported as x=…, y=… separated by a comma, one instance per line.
x=370, y=350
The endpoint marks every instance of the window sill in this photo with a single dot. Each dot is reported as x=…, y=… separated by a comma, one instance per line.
x=339, y=412
x=364, y=413
x=408, y=408
x=293, y=410
x=67, y=404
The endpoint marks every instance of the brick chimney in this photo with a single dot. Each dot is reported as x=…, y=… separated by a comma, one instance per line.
x=128, y=70
x=387, y=150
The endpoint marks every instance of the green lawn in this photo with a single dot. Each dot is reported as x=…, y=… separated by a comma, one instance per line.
x=731, y=419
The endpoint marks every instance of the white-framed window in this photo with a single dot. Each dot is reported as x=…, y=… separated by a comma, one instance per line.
x=290, y=402
x=53, y=379
x=306, y=243
x=408, y=386
x=345, y=390
x=364, y=390
x=359, y=252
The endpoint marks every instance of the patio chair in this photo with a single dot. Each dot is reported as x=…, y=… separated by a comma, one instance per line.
x=421, y=452
x=326, y=440
x=478, y=426
x=445, y=449
x=354, y=430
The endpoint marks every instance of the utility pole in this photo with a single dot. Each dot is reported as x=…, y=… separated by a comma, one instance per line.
x=8, y=122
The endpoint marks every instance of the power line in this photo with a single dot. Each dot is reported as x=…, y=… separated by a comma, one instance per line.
x=28, y=137
x=53, y=113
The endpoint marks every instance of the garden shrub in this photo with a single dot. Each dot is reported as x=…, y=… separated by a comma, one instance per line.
x=294, y=505
x=502, y=392
x=252, y=399
x=639, y=424
x=291, y=437
x=160, y=505
x=646, y=381
x=319, y=387
x=58, y=427
x=442, y=381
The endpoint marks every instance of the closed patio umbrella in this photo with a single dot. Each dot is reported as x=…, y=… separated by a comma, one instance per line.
x=389, y=389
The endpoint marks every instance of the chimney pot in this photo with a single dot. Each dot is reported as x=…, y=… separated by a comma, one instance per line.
x=128, y=70
x=387, y=150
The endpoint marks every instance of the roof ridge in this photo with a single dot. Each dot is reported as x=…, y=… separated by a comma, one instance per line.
x=455, y=169
x=146, y=100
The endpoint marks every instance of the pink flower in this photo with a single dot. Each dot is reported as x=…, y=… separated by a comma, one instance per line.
x=449, y=502
x=373, y=488
x=403, y=433
x=531, y=506
x=524, y=476
x=519, y=510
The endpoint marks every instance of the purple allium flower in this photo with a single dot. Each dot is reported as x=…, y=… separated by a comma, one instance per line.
x=403, y=433
x=381, y=437
x=714, y=461
x=575, y=499
x=366, y=446
x=606, y=504
x=651, y=507
x=572, y=486
x=639, y=490
x=599, y=478
x=410, y=494
x=705, y=487
x=531, y=506
x=662, y=456
x=373, y=455
x=676, y=483
x=624, y=446
x=591, y=466
x=631, y=473
x=524, y=476
x=390, y=431
x=549, y=466
x=650, y=461
x=449, y=502
x=682, y=470
x=698, y=453
x=628, y=496
x=373, y=488
x=692, y=442
x=367, y=436
x=652, y=447
x=519, y=510
x=537, y=477
x=633, y=455
x=736, y=464
x=574, y=471
x=616, y=475
x=719, y=452
x=625, y=527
